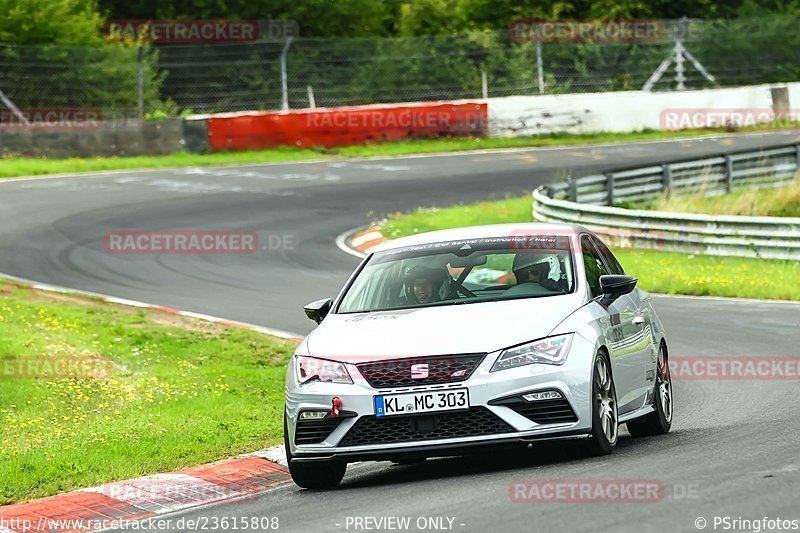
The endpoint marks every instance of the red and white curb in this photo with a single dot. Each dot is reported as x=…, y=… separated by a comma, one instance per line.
x=113, y=504
x=360, y=241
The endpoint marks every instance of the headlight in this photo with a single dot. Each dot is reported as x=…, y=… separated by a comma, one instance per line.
x=313, y=369
x=549, y=351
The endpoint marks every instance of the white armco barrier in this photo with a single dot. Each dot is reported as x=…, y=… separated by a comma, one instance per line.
x=627, y=111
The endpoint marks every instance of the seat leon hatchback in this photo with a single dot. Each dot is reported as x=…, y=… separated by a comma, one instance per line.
x=460, y=340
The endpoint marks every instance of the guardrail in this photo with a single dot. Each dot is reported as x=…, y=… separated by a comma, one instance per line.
x=588, y=200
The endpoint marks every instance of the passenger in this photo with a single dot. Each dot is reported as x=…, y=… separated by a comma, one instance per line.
x=544, y=269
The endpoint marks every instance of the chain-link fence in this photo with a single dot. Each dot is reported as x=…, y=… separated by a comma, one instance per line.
x=168, y=79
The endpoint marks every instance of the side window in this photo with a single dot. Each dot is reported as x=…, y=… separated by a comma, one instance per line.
x=593, y=264
x=611, y=262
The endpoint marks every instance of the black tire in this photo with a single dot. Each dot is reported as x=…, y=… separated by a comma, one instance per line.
x=605, y=417
x=659, y=421
x=313, y=475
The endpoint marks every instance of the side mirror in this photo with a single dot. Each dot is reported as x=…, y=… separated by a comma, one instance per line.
x=614, y=286
x=318, y=310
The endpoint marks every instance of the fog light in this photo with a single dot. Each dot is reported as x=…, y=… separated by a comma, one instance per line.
x=313, y=415
x=544, y=395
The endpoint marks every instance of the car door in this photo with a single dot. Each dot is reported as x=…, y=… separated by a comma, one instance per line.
x=637, y=319
x=618, y=329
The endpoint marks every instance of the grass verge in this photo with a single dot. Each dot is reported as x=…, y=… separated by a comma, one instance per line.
x=27, y=166
x=769, y=202
x=661, y=272
x=92, y=392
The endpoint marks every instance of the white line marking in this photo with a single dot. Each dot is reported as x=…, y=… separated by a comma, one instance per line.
x=134, y=303
x=341, y=242
x=103, y=173
x=729, y=299
x=276, y=454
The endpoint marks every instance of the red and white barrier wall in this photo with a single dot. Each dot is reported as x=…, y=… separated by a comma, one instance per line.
x=344, y=126
x=626, y=111
x=631, y=111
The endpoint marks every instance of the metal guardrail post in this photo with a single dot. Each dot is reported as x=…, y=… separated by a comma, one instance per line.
x=573, y=189
x=666, y=179
x=728, y=173
x=140, y=83
x=610, y=188
x=797, y=156
x=284, y=77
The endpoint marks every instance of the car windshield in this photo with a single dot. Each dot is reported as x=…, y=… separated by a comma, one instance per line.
x=461, y=272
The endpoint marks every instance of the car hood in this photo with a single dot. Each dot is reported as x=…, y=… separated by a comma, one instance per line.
x=452, y=329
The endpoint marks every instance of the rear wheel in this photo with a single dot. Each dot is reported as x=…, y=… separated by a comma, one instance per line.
x=605, y=420
x=659, y=421
x=316, y=474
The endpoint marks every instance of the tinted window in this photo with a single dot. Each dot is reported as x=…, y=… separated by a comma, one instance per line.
x=459, y=272
x=593, y=264
x=611, y=262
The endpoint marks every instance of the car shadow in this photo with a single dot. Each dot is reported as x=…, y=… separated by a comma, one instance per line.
x=535, y=456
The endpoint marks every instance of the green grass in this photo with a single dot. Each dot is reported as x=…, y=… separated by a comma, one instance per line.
x=28, y=166
x=661, y=272
x=179, y=392
x=771, y=202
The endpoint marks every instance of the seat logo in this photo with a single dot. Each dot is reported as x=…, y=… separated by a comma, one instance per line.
x=419, y=371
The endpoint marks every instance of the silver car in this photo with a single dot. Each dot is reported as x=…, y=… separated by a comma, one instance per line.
x=456, y=341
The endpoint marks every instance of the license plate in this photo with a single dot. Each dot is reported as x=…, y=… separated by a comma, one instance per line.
x=422, y=402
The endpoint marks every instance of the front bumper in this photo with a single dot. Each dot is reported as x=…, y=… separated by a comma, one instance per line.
x=489, y=394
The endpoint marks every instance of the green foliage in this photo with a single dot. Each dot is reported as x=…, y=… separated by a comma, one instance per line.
x=61, y=22
x=658, y=271
x=29, y=166
x=345, y=18
x=103, y=76
x=372, y=51
x=162, y=393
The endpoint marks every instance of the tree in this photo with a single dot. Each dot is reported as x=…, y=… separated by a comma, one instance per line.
x=60, y=22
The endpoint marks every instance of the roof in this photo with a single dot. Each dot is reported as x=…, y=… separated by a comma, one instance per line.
x=481, y=232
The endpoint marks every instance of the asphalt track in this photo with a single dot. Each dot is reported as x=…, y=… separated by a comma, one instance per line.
x=734, y=449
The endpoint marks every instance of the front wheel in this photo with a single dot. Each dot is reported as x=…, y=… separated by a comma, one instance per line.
x=659, y=421
x=316, y=474
x=605, y=420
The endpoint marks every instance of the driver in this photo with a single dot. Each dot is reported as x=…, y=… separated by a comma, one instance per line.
x=544, y=269
x=425, y=285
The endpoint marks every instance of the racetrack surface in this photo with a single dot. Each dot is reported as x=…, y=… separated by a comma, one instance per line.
x=734, y=446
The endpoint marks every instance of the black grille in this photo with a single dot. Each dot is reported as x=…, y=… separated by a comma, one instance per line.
x=315, y=431
x=392, y=429
x=441, y=369
x=545, y=411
